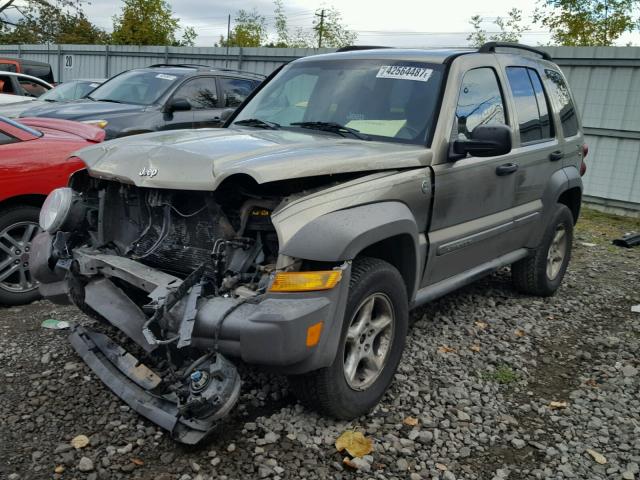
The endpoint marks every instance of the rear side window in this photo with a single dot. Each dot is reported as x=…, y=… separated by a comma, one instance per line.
x=480, y=102
x=560, y=92
x=235, y=90
x=531, y=104
x=8, y=67
x=200, y=93
x=32, y=88
x=40, y=71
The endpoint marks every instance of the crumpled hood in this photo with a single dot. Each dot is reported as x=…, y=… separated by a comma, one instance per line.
x=201, y=159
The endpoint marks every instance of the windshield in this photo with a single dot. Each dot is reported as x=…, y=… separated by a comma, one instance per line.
x=383, y=99
x=69, y=91
x=140, y=87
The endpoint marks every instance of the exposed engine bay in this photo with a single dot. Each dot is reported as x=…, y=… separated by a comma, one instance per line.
x=167, y=267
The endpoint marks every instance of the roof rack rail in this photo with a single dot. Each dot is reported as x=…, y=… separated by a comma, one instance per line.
x=180, y=65
x=351, y=48
x=490, y=47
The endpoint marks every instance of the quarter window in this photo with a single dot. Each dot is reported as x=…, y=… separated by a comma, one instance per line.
x=235, y=90
x=480, y=102
x=562, y=97
x=531, y=104
x=200, y=93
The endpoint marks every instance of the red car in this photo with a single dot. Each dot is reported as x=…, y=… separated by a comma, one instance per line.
x=34, y=159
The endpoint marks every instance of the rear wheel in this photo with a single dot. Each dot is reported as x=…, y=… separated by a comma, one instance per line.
x=542, y=273
x=18, y=227
x=373, y=335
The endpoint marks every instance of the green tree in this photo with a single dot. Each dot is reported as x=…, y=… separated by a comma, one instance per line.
x=188, y=38
x=281, y=24
x=46, y=23
x=330, y=31
x=510, y=28
x=147, y=22
x=249, y=30
x=587, y=22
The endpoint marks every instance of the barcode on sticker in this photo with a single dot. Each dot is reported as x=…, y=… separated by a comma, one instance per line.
x=400, y=72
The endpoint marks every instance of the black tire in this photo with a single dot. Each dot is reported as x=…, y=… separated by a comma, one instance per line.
x=8, y=218
x=530, y=274
x=327, y=390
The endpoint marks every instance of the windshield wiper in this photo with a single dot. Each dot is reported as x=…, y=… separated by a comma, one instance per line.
x=331, y=127
x=106, y=100
x=256, y=122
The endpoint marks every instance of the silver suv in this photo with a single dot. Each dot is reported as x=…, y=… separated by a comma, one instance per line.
x=347, y=189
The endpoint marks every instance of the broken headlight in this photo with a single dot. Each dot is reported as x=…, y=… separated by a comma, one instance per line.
x=63, y=209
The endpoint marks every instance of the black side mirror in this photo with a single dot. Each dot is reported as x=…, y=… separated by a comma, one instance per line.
x=177, y=105
x=486, y=141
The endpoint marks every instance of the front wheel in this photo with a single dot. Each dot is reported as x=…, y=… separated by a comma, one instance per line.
x=542, y=273
x=373, y=336
x=18, y=227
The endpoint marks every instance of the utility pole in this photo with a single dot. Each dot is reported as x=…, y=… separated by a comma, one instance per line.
x=320, y=27
x=226, y=61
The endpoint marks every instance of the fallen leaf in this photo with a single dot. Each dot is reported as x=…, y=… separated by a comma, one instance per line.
x=411, y=421
x=519, y=333
x=59, y=469
x=598, y=457
x=482, y=325
x=557, y=405
x=441, y=466
x=445, y=349
x=137, y=461
x=355, y=443
x=475, y=348
x=80, y=441
x=591, y=382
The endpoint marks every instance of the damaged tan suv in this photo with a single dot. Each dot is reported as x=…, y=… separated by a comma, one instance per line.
x=349, y=188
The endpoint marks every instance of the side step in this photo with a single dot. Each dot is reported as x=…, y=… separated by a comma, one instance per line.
x=437, y=290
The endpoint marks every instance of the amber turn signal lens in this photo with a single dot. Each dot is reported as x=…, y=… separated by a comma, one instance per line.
x=313, y=334
x=305, y=281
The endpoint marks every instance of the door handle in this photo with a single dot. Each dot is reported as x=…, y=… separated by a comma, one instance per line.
x=555, y=156
x=506, y=169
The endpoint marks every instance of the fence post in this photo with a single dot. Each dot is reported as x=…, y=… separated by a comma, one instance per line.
x=166, y=54
x=106, y=61
x=240, y=59
x=59, y=64
x=19, y=51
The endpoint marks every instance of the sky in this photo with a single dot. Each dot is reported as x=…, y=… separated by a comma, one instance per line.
x=400, y=23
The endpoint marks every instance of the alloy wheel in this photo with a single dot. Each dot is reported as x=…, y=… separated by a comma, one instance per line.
x=368, y=341
x=557, y=252
x=15, y=251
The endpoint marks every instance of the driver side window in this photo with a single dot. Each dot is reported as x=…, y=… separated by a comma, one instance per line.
x=479, y=103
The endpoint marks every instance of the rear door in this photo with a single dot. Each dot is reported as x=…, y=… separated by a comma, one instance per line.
x=537, y=149
x=567, y=117
x=473, y=197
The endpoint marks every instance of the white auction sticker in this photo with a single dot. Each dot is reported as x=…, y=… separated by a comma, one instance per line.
x=405, y=72
x=166, y=77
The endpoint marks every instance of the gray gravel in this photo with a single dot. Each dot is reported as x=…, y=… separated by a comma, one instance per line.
x=480, y=372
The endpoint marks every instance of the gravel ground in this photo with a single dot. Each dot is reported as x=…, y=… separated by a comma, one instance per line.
x=480, y=372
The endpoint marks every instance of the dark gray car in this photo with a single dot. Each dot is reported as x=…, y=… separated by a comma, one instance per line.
x=349, y=188
x=159, y=97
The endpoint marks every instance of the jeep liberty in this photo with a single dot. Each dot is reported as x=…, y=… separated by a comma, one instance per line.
x=347, y=189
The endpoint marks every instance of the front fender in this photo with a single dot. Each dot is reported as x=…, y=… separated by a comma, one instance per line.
x=342, y=234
